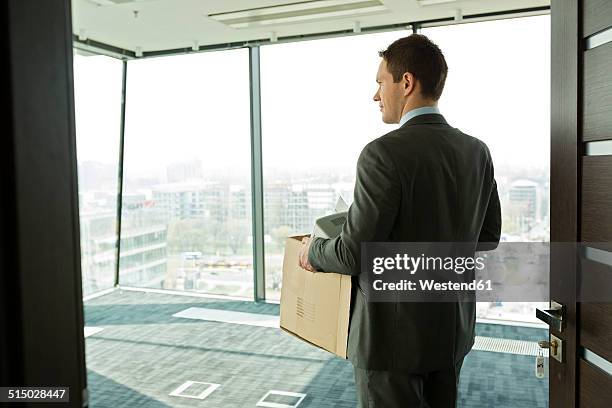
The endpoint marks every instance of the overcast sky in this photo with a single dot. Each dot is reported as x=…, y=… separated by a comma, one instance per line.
x=317, y=102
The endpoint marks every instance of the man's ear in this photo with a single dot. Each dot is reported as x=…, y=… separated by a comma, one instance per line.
x=409, y=83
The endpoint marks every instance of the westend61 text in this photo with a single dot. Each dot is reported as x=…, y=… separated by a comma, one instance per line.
x=432, y=285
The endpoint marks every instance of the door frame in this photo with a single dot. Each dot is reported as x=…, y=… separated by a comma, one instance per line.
x=566, y=113
x=41, y=306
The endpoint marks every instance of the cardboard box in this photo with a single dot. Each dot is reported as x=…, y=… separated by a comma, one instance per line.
x=314, y=306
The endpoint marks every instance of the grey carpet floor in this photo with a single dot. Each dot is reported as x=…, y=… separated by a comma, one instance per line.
x=144, y=353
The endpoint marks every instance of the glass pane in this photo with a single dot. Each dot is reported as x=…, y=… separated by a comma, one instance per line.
x=498, y=90
x=186, y=222
x=97, y=94
x=317, y=114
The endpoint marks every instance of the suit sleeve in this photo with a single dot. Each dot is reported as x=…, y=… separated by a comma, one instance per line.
x=491, y=227
x=370, y=218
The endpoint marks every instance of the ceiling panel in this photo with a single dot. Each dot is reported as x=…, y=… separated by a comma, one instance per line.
x=155, y=25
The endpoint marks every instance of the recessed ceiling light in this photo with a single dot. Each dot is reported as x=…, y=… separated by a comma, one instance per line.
x=115, y=2
x=434, y=2
x=298, y=12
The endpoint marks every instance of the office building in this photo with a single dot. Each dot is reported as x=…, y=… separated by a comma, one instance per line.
x=525, y=195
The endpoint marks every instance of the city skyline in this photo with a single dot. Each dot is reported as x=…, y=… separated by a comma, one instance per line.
x=300, y=182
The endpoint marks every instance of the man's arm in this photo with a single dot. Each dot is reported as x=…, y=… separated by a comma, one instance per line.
x=491, y=227
x=370, y=218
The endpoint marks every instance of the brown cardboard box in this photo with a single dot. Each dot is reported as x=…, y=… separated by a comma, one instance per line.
x=314, y=306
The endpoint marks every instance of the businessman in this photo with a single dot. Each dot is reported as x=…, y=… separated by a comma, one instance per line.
x=423, y=182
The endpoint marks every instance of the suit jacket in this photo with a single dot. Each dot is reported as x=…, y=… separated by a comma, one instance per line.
x=424, y=182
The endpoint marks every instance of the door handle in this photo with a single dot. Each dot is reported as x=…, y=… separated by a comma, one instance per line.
x=553, y=316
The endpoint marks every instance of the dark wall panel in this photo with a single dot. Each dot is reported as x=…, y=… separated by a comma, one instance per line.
x=597, y=16
x=595, y=386
x=596, y=328
x=598, y=93
x=596, y=205
x=43, y=268
x=596, y=283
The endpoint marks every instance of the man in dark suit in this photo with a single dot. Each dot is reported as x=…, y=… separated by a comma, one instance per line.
x=424, y=182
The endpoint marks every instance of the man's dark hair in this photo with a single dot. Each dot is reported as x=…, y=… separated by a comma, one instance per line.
x=418, y=55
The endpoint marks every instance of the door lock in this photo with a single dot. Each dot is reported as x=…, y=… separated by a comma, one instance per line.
x=552, y=345
x=555, y=347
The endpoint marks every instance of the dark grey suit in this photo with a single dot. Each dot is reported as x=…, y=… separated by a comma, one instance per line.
x=424, y=182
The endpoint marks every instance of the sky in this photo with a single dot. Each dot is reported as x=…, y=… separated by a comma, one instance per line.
x=317, y=106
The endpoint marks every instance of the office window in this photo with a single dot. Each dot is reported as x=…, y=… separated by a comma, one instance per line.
x=186, y=216
x=498, y=90
x=97, y=94
x=317, y=115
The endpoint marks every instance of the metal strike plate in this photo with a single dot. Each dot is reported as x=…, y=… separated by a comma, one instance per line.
x=557, y=351
x=554, y=346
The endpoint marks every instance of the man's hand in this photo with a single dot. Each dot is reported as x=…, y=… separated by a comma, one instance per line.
x=303, y=258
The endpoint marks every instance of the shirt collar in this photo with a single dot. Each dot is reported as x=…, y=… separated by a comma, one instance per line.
x=418, y=111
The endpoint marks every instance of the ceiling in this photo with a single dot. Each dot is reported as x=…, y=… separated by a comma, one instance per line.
x=157, y=25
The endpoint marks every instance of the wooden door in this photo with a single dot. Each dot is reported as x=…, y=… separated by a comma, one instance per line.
x=581, y=198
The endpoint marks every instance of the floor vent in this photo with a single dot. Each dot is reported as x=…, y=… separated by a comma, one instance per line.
x=508, y=346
